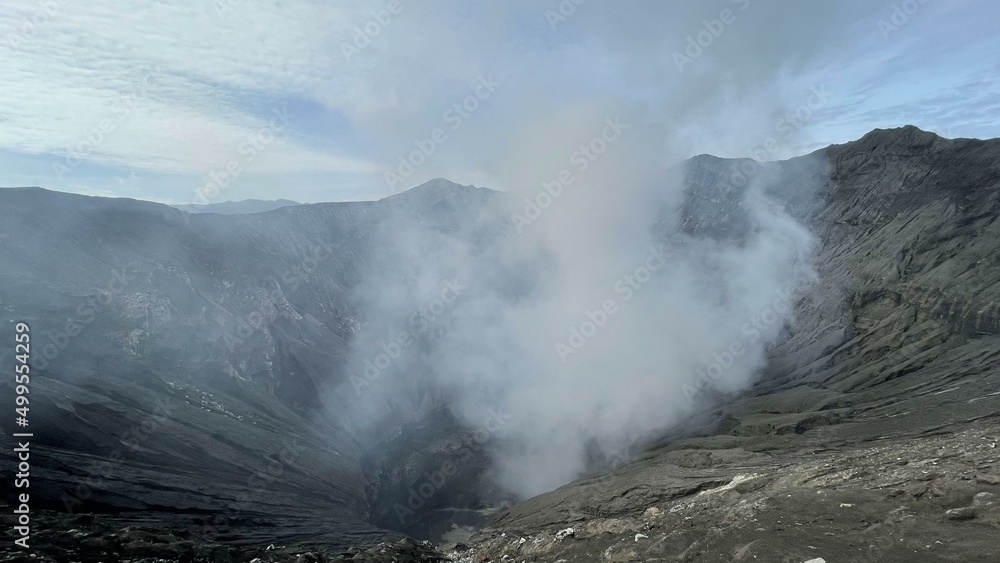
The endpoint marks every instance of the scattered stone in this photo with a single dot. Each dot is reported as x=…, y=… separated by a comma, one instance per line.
x=750, y=484
x=563, y=534
x=988, y=479
x=964, y=513
x=816, y=560
x=652, y=512
x=983, y=499
x=641, y=537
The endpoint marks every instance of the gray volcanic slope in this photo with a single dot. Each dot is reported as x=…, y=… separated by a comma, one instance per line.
x=237, y=207
x=874, y=427
x=179, y=357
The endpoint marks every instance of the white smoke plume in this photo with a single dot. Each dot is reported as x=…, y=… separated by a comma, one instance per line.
x=592, y=314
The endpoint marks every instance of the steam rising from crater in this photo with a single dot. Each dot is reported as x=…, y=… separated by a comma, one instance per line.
x=592, y=305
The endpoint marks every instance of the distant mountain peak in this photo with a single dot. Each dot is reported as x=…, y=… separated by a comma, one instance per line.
x=241, y=207
x=907, y=139
x=906, y=133
x=434, y=185
x=438, y=188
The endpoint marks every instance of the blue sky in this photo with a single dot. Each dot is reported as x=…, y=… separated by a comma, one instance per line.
x=159, y=102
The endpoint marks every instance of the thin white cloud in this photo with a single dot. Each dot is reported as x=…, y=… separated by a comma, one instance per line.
x=79, y=69
x=221, y=72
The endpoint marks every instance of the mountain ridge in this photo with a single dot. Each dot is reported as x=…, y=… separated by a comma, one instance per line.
x=238, y=322
x=442, y=187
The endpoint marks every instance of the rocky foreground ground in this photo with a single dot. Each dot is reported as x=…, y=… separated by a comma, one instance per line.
x=928, y=498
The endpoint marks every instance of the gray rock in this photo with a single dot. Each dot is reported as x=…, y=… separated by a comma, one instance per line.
x=983, y=499
x=988, y=479
x=963, y=513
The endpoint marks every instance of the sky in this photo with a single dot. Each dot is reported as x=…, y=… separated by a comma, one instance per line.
x=202, y=102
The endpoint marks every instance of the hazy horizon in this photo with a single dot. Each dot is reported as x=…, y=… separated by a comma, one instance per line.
x=324, y=102
x=498, y=189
